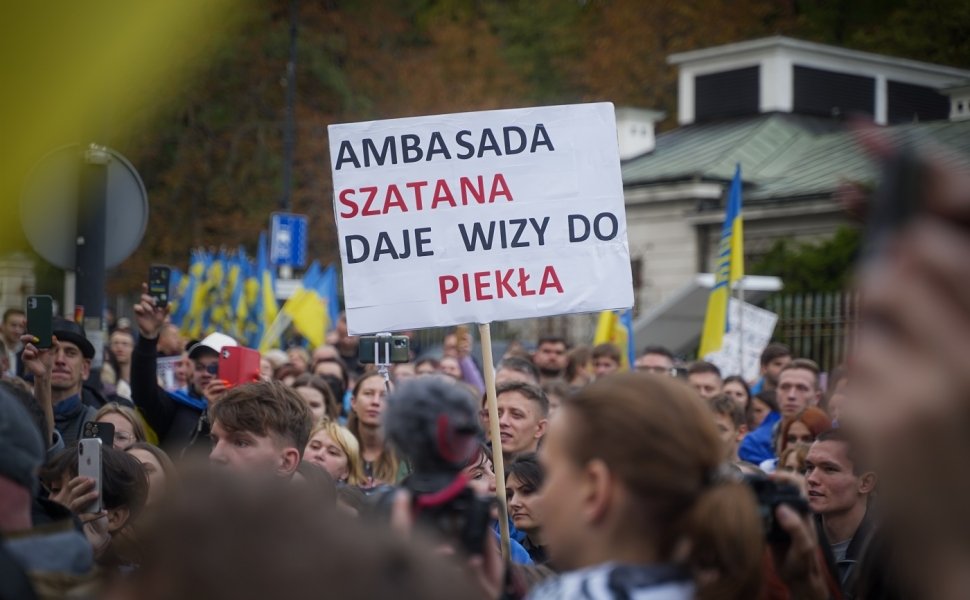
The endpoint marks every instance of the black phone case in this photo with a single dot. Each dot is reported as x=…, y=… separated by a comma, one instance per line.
x=158, y=280
x=40, y=319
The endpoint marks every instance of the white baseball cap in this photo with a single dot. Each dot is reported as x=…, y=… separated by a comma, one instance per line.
x=214, y=341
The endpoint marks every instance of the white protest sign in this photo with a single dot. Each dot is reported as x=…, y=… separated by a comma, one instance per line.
x=480, y=217
x=758, y=325
x=165, y=367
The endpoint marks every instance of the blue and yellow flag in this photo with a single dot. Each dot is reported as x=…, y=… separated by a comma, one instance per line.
x=266, y=306
x=730, y=269
x=307, y=308
x=617, y=328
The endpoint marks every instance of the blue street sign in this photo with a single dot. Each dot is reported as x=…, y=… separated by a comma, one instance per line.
x=288, y=236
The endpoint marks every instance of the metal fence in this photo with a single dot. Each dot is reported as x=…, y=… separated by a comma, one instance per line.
x=819, y=326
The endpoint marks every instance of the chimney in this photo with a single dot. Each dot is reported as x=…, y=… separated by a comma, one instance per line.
x=635, y=130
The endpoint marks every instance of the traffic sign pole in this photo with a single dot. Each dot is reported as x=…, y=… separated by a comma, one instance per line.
x=90, y=254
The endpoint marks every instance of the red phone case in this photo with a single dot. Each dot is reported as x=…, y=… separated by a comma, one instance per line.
x=238, y=365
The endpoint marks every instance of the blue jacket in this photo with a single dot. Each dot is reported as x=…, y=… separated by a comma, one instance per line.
x=756, y=446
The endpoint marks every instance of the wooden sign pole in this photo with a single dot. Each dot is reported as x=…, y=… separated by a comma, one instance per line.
x=488, y=364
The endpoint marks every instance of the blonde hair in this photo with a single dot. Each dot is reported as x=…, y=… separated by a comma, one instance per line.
x=113, y=408
x=348, y=443
x=663, y=445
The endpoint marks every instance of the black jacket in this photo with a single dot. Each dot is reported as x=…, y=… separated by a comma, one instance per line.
x=177, y=425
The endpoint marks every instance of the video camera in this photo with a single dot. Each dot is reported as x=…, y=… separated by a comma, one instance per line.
x=434, y=425
x=770, y=495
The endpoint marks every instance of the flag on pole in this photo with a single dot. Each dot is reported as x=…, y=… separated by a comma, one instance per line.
x=617, y=329
x=730, y=269
x=266, y=306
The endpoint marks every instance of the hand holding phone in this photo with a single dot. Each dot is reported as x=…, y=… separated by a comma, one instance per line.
x=238, y=365
x=40, y=320
x=158, y=282
x=89, y=465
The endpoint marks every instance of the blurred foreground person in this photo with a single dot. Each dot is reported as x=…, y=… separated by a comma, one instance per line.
x=231, y=538
x=911, y=372
x=667, y=527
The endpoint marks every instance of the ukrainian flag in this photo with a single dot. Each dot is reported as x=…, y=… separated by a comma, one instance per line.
x=730, y=269
x=307, y=308
x=266, y=306
x=617, y=328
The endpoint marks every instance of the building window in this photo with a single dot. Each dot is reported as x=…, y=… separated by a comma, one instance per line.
x=727, y=94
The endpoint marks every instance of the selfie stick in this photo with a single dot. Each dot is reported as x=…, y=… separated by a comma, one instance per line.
x=382, y=365
x=485, y=332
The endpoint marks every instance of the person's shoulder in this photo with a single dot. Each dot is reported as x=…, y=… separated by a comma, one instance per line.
x=609, y=581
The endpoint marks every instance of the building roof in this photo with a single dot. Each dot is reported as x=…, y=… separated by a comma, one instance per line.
x=801, y=46
x=782, y=156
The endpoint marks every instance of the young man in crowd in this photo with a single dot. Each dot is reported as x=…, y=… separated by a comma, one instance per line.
x=523, y=411
x=13, y=326
x=839, y=488
x=550, y=358
x=798, y=387
x=656, y=359
x=606, y=360
x=178, y=418
x=774, y=358
x=705, y=378
x=261, y=427
x=729, y=419
x=516, y=369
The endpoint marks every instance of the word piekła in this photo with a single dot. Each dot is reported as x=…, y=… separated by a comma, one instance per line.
x=498, y=284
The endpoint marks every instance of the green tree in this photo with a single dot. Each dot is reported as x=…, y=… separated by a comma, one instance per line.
x=823, y=267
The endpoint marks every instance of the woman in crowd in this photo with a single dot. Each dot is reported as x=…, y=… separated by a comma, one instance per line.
x=668, y=527
x=116, y=372
x=736, y=388
x=334, y=371
x=161, y=473
x=762, y=404
x=367, y=405
x=127, y=424
x=318, y=396
x=798, y=431
x=578, y=369
x=124, y=491
x=335, y=449
x=792, y=460
x=522, y=485
x=299, y=358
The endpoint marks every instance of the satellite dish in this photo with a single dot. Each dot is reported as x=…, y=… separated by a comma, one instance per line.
x=49, y=206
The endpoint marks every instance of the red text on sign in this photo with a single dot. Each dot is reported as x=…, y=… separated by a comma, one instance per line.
x=498, y=284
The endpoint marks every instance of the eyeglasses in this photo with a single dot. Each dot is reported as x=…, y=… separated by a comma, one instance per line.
x=659, y=370
x=211, y=369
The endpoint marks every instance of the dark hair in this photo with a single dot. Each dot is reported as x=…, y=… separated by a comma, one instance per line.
x=557, y=387
x=529, y=390
x=319, y=483
x=527, y=470
x=319, y=383
x=32, y=407
x=284, y=371
x=769, y=397
x=774, y=350
x=265, y=407
x=805, y=364
x=426, y=360
x=345, y=373
x=352, y=497
x=124, y=483
x=619, y=420
x=171, y=473
x=577, y=358
x=860, y=463
x=702, y=366
x=519, y=365
x=744, y=384
x=12, y=311
x=609, y=351
x=661, y=350
x=552, y=339
x=728, y=407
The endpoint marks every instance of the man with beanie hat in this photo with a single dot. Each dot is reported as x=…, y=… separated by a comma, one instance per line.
x=55, y=554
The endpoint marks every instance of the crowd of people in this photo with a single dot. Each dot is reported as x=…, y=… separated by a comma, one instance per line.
x=667, y=481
